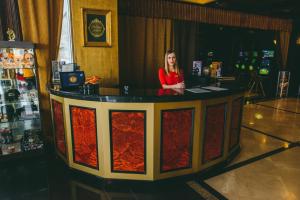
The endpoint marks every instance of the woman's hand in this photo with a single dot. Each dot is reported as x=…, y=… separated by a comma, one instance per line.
x=178, y=90
x=179, y=85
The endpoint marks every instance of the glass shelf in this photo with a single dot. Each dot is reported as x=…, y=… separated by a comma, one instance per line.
x=21, y=120
x=2, y=67
x=20, y=128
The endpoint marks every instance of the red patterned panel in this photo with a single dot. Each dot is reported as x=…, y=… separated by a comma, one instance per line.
x=235, y=123
x=59, y=128
x=128, y=141
x=214, y=132
x=177, y=130
x=84, y=135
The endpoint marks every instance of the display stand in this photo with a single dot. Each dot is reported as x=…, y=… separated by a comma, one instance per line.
x=256, y=82
x=20, y=122
x=283, y=84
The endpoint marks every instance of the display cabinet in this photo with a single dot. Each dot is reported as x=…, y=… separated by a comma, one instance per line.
x=20, y=121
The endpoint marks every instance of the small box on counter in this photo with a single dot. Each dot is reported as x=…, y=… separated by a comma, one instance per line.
x=71, y=80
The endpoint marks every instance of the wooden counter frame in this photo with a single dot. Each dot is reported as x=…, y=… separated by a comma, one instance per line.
x=153, y=133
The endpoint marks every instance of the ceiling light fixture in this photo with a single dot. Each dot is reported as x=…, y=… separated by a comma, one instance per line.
x=202, y=2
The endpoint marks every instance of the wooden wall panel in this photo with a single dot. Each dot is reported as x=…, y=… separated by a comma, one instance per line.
x=194, y=12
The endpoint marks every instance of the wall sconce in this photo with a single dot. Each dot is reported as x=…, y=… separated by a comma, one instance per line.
x=298, y=40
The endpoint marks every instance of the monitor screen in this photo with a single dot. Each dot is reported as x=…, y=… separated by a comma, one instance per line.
x=264, y=71
x=268, y=53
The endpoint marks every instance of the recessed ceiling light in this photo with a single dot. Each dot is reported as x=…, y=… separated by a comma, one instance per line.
x=198, y=1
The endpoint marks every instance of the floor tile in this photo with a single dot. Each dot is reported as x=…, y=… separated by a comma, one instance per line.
x=275, y=122
x=289, y=104
x=254, y=144
x=274, y=178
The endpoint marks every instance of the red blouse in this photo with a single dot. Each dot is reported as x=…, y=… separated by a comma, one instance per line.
x=171, y=79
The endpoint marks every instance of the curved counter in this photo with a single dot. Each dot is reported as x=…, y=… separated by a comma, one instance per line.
x=146, y=134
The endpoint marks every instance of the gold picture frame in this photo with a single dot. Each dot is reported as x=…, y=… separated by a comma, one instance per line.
x=97, y=27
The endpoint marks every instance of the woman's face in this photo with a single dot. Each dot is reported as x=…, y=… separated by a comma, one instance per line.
x=171, y=59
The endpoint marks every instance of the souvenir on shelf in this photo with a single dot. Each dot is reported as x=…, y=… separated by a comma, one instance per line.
x=20, y=124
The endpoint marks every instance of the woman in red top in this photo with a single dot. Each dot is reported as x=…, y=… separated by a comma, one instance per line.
x=171, y=77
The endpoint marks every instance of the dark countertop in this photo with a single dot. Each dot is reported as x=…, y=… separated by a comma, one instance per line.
x=148, y=95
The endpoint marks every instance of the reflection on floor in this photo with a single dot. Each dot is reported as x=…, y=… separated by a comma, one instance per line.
x=268, y=167
x=270, y=142
x=253, y=145
x=278, y=123
x=288, y=104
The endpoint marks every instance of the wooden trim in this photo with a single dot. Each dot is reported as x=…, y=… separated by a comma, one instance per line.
x=193, y=12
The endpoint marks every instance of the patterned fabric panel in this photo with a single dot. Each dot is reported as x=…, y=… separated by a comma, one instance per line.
x=214, y=132
x=176, y=144
x=235, y=122
x=59, y=128
x=84, y=136
x=128, y=141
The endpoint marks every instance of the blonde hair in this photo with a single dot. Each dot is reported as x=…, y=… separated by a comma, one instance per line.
x=166, y=62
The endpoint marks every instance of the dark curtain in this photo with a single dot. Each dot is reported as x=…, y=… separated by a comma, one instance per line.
x=293, y=60
x=284, y=38
x=10, y=19
x=1, y=29
x=187, y=44
x=142, y=45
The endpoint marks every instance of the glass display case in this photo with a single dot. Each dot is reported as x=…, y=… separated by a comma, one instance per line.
x=20, y=122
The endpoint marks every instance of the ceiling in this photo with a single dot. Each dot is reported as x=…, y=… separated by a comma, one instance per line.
x=277, y=8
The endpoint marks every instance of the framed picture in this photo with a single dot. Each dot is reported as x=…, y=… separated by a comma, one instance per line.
x=56, y=69
x=197, y=67
x=97, y=27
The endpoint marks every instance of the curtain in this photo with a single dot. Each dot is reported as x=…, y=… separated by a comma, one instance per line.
x=41, y=24
x=9, y=18
x=1, y=28
x=143, y=43
x=187, y=44
x=284, y=38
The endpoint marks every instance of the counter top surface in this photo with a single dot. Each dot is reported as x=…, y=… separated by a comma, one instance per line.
x=151, y=95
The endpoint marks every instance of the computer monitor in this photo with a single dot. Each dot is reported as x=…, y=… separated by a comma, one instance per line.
x=268, y=53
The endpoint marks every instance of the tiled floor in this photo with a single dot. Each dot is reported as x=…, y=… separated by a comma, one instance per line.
x=273, y=171
x=288, y=104
x=268, y=167
x=253, y=144
x=278, y=123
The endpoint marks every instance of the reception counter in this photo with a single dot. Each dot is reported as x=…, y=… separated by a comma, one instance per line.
x=146, y=134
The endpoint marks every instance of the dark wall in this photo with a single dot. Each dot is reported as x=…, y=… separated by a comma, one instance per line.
x=293, y=60
x=195, y=40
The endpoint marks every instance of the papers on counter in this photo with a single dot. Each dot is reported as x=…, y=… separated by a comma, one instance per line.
x=215, y=88
x=197, y=90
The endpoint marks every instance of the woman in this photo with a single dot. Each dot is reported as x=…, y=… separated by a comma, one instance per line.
x=171, y=77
